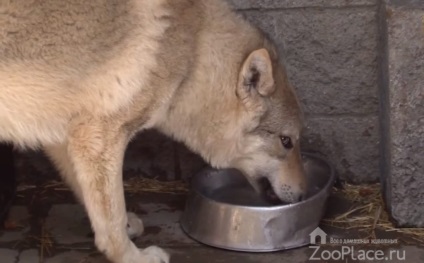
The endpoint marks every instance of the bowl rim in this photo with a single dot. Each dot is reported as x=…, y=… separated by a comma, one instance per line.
x=323, y=191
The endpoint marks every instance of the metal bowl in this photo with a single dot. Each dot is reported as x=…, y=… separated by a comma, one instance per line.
x=224, y=211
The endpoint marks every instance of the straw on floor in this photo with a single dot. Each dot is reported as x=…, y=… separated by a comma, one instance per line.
x=368, y=213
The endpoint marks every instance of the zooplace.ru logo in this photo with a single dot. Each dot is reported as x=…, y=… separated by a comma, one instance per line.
x=345, y=252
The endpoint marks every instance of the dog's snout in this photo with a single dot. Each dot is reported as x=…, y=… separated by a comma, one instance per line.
x=290, y=193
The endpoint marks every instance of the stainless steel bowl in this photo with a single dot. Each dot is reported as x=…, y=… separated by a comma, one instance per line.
x=224, y=211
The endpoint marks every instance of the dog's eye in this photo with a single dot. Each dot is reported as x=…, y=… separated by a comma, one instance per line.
x=287, y=142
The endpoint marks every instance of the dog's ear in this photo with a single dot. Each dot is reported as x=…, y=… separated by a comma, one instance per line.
x=256, y=75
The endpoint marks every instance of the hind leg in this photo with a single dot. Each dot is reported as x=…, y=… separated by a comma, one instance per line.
x=59, y=155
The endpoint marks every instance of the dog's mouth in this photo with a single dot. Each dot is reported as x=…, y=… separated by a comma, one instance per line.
x=267, y=192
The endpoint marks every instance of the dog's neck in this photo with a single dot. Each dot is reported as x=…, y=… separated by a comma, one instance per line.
x=204, y=109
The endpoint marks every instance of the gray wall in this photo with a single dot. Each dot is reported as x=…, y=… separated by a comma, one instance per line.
x=330, y=50
x=402, y=110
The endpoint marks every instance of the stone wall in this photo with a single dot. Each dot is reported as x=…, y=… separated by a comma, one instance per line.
x=402, y=110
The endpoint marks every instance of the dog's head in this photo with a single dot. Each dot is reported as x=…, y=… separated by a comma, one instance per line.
x=268, y=145
x=247, y=118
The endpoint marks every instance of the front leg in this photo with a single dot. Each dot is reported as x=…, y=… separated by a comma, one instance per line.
x=59, y=155
x=96, y=150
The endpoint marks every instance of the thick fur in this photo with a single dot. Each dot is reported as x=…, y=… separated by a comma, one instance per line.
x=80, y=78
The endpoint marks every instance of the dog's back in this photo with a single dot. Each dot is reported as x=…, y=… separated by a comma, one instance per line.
x=58, y=58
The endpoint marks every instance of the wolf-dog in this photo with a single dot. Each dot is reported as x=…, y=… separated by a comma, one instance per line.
x=80, y=78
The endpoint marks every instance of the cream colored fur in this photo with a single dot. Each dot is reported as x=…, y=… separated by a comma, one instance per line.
x=80, y=78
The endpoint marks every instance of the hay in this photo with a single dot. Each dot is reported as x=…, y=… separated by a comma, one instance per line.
x=368, y=213
x=137, y=185
x=133, y=185
x=44, y=242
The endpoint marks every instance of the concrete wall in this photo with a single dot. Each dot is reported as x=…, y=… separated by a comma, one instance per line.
x=402, y=110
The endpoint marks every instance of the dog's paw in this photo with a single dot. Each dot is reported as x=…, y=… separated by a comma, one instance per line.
x=135, y=226
x=155, y=254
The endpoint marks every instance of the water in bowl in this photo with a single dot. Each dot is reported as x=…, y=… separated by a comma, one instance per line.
x=245, y=195
x=240, y=195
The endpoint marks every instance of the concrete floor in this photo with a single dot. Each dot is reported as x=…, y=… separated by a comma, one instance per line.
x=55, y=216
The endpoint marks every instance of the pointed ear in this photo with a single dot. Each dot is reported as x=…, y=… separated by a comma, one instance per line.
x=256, y=75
